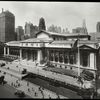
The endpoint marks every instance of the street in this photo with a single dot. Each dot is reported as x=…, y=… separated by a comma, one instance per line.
x=7, y=91
x=36, y=82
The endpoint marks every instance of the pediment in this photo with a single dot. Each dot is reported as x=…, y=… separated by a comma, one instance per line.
x=86, y=47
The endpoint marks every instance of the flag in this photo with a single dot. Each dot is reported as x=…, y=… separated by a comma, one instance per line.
x=75, y=44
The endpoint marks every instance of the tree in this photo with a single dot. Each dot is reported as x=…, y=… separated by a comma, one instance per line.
x=42, y=24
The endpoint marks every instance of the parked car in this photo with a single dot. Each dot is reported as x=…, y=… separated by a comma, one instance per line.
x=3, y=64
x=19, y=93
x=24, y=71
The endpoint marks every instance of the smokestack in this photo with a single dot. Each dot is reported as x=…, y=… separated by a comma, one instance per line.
x=2, y=9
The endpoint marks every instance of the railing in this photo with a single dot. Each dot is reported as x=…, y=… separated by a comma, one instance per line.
x=74, y=65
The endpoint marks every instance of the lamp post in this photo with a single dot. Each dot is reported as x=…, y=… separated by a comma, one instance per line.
x=96, y=84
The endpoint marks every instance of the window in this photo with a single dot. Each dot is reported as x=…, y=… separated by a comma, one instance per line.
x=36, y=44
x=26, y=44
x=32, y=44
x=54, y=38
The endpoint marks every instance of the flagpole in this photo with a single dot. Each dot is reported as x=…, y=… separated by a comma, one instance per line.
x=78, y=57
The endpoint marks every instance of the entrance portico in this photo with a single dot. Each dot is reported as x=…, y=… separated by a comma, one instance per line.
x=31, y=54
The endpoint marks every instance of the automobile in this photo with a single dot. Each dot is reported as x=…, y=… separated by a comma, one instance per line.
x=3, y=64
x=24, y=71
x=19, y=93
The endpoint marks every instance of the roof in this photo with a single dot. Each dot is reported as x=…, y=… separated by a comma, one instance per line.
x=6, y=13
x=73, y=41
x=13, y=43
x=62, y=34
x=37, y=40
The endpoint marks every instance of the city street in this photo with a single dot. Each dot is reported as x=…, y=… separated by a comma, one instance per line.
x=29, y=90
x=39, y=82
x=7, y=91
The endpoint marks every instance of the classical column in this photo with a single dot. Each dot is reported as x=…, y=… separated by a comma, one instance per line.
x=8, y=51
x=39, y=56
x=4, y=51
x=68, y=59
x=53, y=55
x=63, y=58
x=58, y=56
x=20, y=53
x=26, y=55
x=31, y=55
x=92, y=60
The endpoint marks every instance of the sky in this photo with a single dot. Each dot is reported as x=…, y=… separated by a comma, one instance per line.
x=65, y=14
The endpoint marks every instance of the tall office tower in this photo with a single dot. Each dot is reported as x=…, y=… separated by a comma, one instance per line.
x=81, y=30
x=84, y=27
x=19, y=33
x=7, y=26
x=28, y=28
x=98, y=27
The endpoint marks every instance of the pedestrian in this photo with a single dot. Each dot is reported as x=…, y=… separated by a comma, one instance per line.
x=17, y=66
x=16, y=81
x=12, y=84
x=49, y=96
x=28, y=89
x=42, y=94
x=40, y=88
x=35, y=94
x=32, y=89
x=27, y=83
x=18, y=84
x=58, y=97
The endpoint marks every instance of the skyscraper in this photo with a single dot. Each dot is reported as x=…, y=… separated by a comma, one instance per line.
x=7, y=26
x=19, y=32
x=82, y=30
x=84, y=27
x=30, y=29
x=98, y=27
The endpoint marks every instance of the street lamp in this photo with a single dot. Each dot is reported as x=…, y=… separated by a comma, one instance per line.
x=96, y=84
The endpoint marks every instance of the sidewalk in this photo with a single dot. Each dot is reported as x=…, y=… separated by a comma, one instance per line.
x=38, y=70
